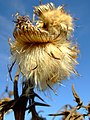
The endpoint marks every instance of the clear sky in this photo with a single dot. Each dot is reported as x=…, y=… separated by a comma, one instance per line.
x=79, y=9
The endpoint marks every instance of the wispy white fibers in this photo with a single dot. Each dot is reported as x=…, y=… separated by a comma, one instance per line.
x=43, y=51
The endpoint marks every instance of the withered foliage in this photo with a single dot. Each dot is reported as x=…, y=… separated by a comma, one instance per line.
x=70, y=112
x=19, y=104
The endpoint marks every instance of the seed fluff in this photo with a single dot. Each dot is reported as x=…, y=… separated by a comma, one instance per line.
x=43, y=50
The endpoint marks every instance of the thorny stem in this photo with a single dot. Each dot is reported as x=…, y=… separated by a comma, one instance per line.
x=31, y=96
x=19, y=108
x=21, y=102
x=33, y=110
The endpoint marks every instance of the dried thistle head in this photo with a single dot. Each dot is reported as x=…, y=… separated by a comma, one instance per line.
x=55, y=20
x=42, y=51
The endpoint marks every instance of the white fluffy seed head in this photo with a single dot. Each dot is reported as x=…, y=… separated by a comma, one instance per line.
x=43, y=52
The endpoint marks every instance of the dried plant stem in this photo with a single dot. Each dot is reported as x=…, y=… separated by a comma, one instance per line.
x=21, y=102
x=20, y=106
x=16, y=96
x=35, y=115
x=33, y=110
x=19, y=109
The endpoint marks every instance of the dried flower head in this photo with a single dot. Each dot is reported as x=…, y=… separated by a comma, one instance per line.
x=42, y=51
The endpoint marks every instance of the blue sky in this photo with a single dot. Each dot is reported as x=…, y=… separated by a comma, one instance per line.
x=79, y=9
